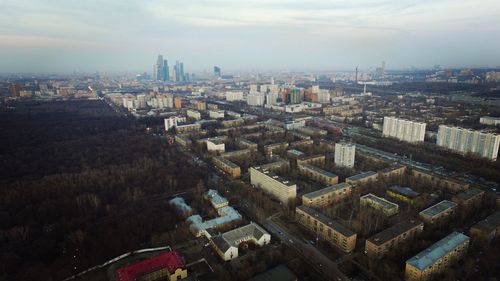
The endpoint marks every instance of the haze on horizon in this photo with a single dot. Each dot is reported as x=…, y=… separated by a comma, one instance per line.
x=124, y=35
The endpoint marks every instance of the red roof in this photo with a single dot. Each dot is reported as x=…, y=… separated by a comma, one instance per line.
x=170, y=260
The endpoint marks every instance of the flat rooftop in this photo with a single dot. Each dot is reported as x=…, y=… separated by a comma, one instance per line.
x=227, y=162
x=469, y=193
x=380, y=201
x=393, y=231
x=362, y=176
x=326, y=190
x=490, y=223
x=274, y=176
x=319, y=170
x=216, y=198
x=438, y=250
x=327, y=221
x=406, y=191
x=438, y=208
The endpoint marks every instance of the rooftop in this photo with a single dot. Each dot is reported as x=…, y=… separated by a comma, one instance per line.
x=362, y=176
x=170, y=260
x=490, y=223
x=438, y=250
x=180, y=203
x=295, y=152
x=274, y=176
x=326, y=190
x=327, y=221
x=318, y=170
x=227, y=162
x=216, y=198
x=438, y=208
x=393, y=231
x=469, y=193
x=406, y=191
x=380, y=201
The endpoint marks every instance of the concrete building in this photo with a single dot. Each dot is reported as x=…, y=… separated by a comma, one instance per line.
x=216, y=114
x=435, y=259
x=439, y=181
x=193, y=114
x=395, y=172
x=388, y=208
x=491, y=121
x=403, y=130
x=317, y=159
x=271, y=98
x=172, y=122
x=180, y=129
x=389, y=239
x=167, y=266
x=277, y=186
x=488, y=229
x=472, y=197
x=439, y=212
x=344, y=154
x=318, y=174
x=226, y=245
x=227, y=167
x=234, y=96
x=362, y=179
x=216, y=145
x=326, y=228
x=256, y=99
x=466, y=141
x=274, y=146
x=327, y=196
x=404, y=194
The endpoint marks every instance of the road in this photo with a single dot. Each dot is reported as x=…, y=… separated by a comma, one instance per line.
x=322, y=264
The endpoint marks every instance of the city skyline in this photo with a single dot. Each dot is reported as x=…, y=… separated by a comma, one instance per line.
x=45, y=36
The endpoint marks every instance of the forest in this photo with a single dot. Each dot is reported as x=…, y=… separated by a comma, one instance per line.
x=80, y=184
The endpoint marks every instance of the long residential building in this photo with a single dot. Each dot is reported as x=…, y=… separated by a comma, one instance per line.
x=488, y=229
x=228, y=167
x=439, y=212
x=469, y=141
x=435, y=259
x=388, y=208
x=318, y=174
x=389, y=239
x=326, y=228
x=327, y=196
x=363, y=178
x=403, y=130
x=277, y=186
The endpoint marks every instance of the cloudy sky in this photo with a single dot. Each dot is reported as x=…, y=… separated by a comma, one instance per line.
x=124, y=35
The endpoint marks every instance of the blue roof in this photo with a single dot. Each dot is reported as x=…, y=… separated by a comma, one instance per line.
x=438, y=250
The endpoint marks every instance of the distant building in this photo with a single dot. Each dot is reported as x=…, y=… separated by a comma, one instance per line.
x=345, y=154
x=173, y=121
x=471, y=197
x=317, y=159
x=193, y=114
x=216, y=114
x=439, y=212
x=318, y=174
x=15, y=90
x=216, y=144
x=487, y=229
x=388, y=208
x=167, y=266
x=228, y=167
x=217, y=71
x=327, y=196
x=277, y=186
x=469, y=141
x=396, y=171
x=256, y=99
x=177, y=102
x=435, y=259
x=187, y=128
x=326, y=228
x=389, y=239
x=492, y=121
x=234, y=95
x=439, y=181
x=295, y=96
x=363, y=178
x=403, y=130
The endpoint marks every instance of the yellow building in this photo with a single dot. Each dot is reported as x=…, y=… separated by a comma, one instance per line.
x=227, y=167
x=389, y=239
x=435, y=259
x=282, y=189
x=318, y=174
x=362, y=179
x=326, y=228
x=313, y=159
x=404, y=194
x=327, y=195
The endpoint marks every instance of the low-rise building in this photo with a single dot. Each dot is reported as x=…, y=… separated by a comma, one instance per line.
x=180, y=129
x=196, y=115
x=182, y=140
x=439, y=181
x=312, y=131
x=232, y=123
x=173, y=122
x=284, y=190
x=470, y=198
x=404, y=194
x=378, y=203
x=487, y=229
x=439, y=212
x=318, y=159
x=326, y=228
x=435, y=259
x=396, y=171
x=362, y=179
x=389, y=239
x=226, y=244
x=237, y=153
x=275, y=146
x=327, y=196
x=227, y=167
x=247, y=144
x=215, y=144
x=216, y=199
x=167, y=266
x=216, y=114
x=318, y=174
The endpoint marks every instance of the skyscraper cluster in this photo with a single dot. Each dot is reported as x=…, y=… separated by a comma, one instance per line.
x=161, y=71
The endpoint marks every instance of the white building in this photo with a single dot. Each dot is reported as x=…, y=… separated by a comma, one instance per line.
x=216, y=145
x=216, y=114
x=256, y=99
x=345, y=154
x=487, y=120
x=173, y=121
x=277, y=186
x=403, y=130
x=323, y=96
x=193, y=114
x=469, y=141
x=234, y=96
x=271, y=98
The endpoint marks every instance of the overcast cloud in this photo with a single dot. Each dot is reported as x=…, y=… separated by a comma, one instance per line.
x=123, y=35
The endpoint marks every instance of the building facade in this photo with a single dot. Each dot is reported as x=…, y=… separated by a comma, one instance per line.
x=345, y=154
x=280, y=188
x=388, y=208
x=389, y=239
x=439, y=212
x=466, y=141
x=327, y=195
x=403, y=130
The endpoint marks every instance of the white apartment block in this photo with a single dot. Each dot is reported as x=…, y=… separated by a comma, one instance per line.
x=469, y=141
x=234, y=96
x=403, y=130
x=345, y=154
x=172, y=122
x=193, y=114
x=492, y=121
x=256, y=99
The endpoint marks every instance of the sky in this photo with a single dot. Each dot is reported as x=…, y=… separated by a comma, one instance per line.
x=275, y=35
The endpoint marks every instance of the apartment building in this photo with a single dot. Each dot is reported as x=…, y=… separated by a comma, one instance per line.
x=439, y=181
x=362, y=179
x=275, y=146
x=472, y=197
x=345, y=154
x=326, y=228
x=466, y=141
x=327, y=196
x=378, y=203
x=403, y=130
x=275, y=185
x=318, y=159
x=196, y=115
x=389, y=239
x=227, y=167
x=439, y=212
x=215, y=144
x=488, y=229
x=396, y=171
x=318, y=174
x=404, y=194
x=435, y=259
x=180, y=129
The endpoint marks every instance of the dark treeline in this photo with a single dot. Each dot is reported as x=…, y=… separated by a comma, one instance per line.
x=81, y=184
